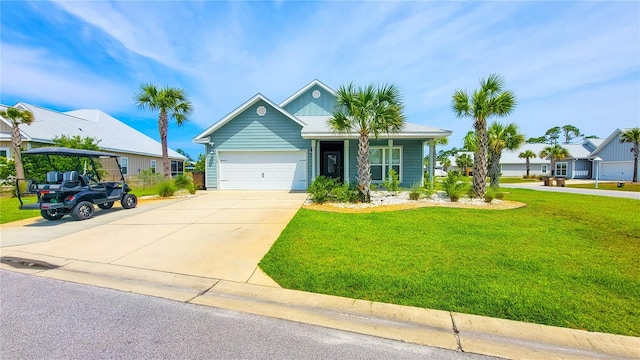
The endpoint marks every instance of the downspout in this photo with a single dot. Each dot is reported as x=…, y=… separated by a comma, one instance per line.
x=313, y=160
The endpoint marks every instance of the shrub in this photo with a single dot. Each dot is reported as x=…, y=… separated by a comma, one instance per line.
x=392, y=182
x=345, y=193
x=182, y=181
x=489, y=195
x=453, y=186
x=166, y=188
x=499, y=196
x=415, y=192
x=321, y=187
x=192, y=188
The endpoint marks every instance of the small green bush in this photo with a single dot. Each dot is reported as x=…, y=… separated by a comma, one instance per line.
x=392, y=182
x=166, y=188
x=415, y=192
x=345, y=193
x=489, y=195
x=499, y=195
x=453, y=186
x=192, y=188
x=320, y=189
x=182, y=181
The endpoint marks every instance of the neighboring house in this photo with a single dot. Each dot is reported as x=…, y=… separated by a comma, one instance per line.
x=138, y=152
x=264, y=145
x=616, y=160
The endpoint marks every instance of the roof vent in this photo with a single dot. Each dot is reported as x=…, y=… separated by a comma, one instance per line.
x=261, y=110
x=315, y=94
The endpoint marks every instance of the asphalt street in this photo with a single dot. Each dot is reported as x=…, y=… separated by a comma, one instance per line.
x=44, y=318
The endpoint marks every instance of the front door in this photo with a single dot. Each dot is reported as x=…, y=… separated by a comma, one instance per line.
x=333, y=164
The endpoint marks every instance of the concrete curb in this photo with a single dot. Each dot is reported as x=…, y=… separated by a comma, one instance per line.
x=461, y=332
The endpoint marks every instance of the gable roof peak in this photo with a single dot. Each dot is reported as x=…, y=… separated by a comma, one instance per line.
x=311, y=84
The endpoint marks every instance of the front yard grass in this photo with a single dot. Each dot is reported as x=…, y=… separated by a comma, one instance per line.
x=564, y=260
x=628, y=186
x=9, y=210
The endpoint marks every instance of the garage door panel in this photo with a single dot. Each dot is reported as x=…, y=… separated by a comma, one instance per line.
x=282, y=170
x=616, y=171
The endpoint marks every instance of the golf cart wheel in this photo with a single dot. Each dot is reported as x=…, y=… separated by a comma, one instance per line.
x=84, y=210
x=129, y=201
x=106, y=206
x=51, y=214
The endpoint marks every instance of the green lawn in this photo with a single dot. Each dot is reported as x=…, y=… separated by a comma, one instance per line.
x=9, y=210
x=515, y=180
x=565, y=260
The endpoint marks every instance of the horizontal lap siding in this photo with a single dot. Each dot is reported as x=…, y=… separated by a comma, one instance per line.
x=250, y=132
x=307, y=105
x=412, y=164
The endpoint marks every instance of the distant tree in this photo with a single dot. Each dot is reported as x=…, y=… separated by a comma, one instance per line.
x=554, y=153
x=37, y=166
x=200, y=163
x=445, y=163
x=552, y=135
x=570, y=132
x=591, y=137
x=501, y=137
x=537, y=140
x=440, y=141
x=184, y=153
x=527, y=154
x=633, y=136
x=172, y=103
x=470, y=142
x=17, y=117
x=367, y=111
x=77, y=142
x=489, y=100
x=464, y=161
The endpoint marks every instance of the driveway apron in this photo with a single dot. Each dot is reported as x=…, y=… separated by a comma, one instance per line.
x=216, y=234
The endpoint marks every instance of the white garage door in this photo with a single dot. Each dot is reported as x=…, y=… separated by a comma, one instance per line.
x=616, y=170
x=273, y=170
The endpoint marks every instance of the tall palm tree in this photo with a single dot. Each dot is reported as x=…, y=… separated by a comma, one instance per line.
x=489, y=100
x=555, y=153
x=633, y=136
x=501, y=137
x=17, y=118
x=527, y=154
x=366, y=111
x=172, y=103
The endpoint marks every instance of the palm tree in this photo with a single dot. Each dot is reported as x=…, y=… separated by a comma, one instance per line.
x=527, y=154
x=172, y=102
x=633, y=136
x=501, y=137
x=464, y=162
x=554, y=152
x=489, y=100
x=445, y=163
x=369, y=110
x=17, y=117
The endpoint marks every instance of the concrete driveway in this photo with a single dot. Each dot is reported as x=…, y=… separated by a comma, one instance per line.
x=216, y=234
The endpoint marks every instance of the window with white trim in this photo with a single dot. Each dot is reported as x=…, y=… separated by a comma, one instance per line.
x=124, y=165
x=152, y=167
x=177, y=167
x=5, y=152
x=544, y=169
x=561, y=169
x=379, y=160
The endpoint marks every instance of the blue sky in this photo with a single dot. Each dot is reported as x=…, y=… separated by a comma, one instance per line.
x=567, y=62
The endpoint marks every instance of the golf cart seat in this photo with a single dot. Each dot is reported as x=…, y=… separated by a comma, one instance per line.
x=53, y=179
x=71, y=181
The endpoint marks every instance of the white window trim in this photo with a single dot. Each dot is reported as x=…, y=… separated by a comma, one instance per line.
x=122, y=160
x=153, y=165
x=8, y=150
x=385, y=159
x=566, y=168
x=544, y=168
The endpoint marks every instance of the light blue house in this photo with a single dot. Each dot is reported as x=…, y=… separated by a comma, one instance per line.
x=264, y=145
x=616, y=158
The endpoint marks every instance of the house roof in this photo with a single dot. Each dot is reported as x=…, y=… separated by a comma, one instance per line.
x=305, y=88
x=318, y=127
x=113, y=134
x=202, y=138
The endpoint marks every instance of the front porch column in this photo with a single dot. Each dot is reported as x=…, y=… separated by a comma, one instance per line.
x=346, y=162
x=390, y=156
x=432, y=161
x=313, y=160
x=424, y=143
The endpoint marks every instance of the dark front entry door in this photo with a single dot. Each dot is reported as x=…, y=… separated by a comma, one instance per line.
x=331, y=159
x=333, y=164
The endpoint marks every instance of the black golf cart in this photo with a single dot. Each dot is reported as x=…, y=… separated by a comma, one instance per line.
x=71, y=181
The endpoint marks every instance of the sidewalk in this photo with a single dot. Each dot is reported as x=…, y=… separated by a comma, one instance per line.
x=598, y=192
x=167, y=255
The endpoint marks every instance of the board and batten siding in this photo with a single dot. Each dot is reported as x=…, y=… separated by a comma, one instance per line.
x=616, y=151
x=307, y=105
x=250, y=132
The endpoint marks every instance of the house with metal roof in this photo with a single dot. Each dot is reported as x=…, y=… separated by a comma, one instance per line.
x=265, y=145
x=615, y=158
x=138, y=152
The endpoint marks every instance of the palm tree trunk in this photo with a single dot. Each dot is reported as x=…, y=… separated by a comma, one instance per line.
x=364, y=168
x=553, y=167
x=636, y=150
x=528, y=167
x=16, y=144
x=480, y=161
x=163, y=128
x=494, y=171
